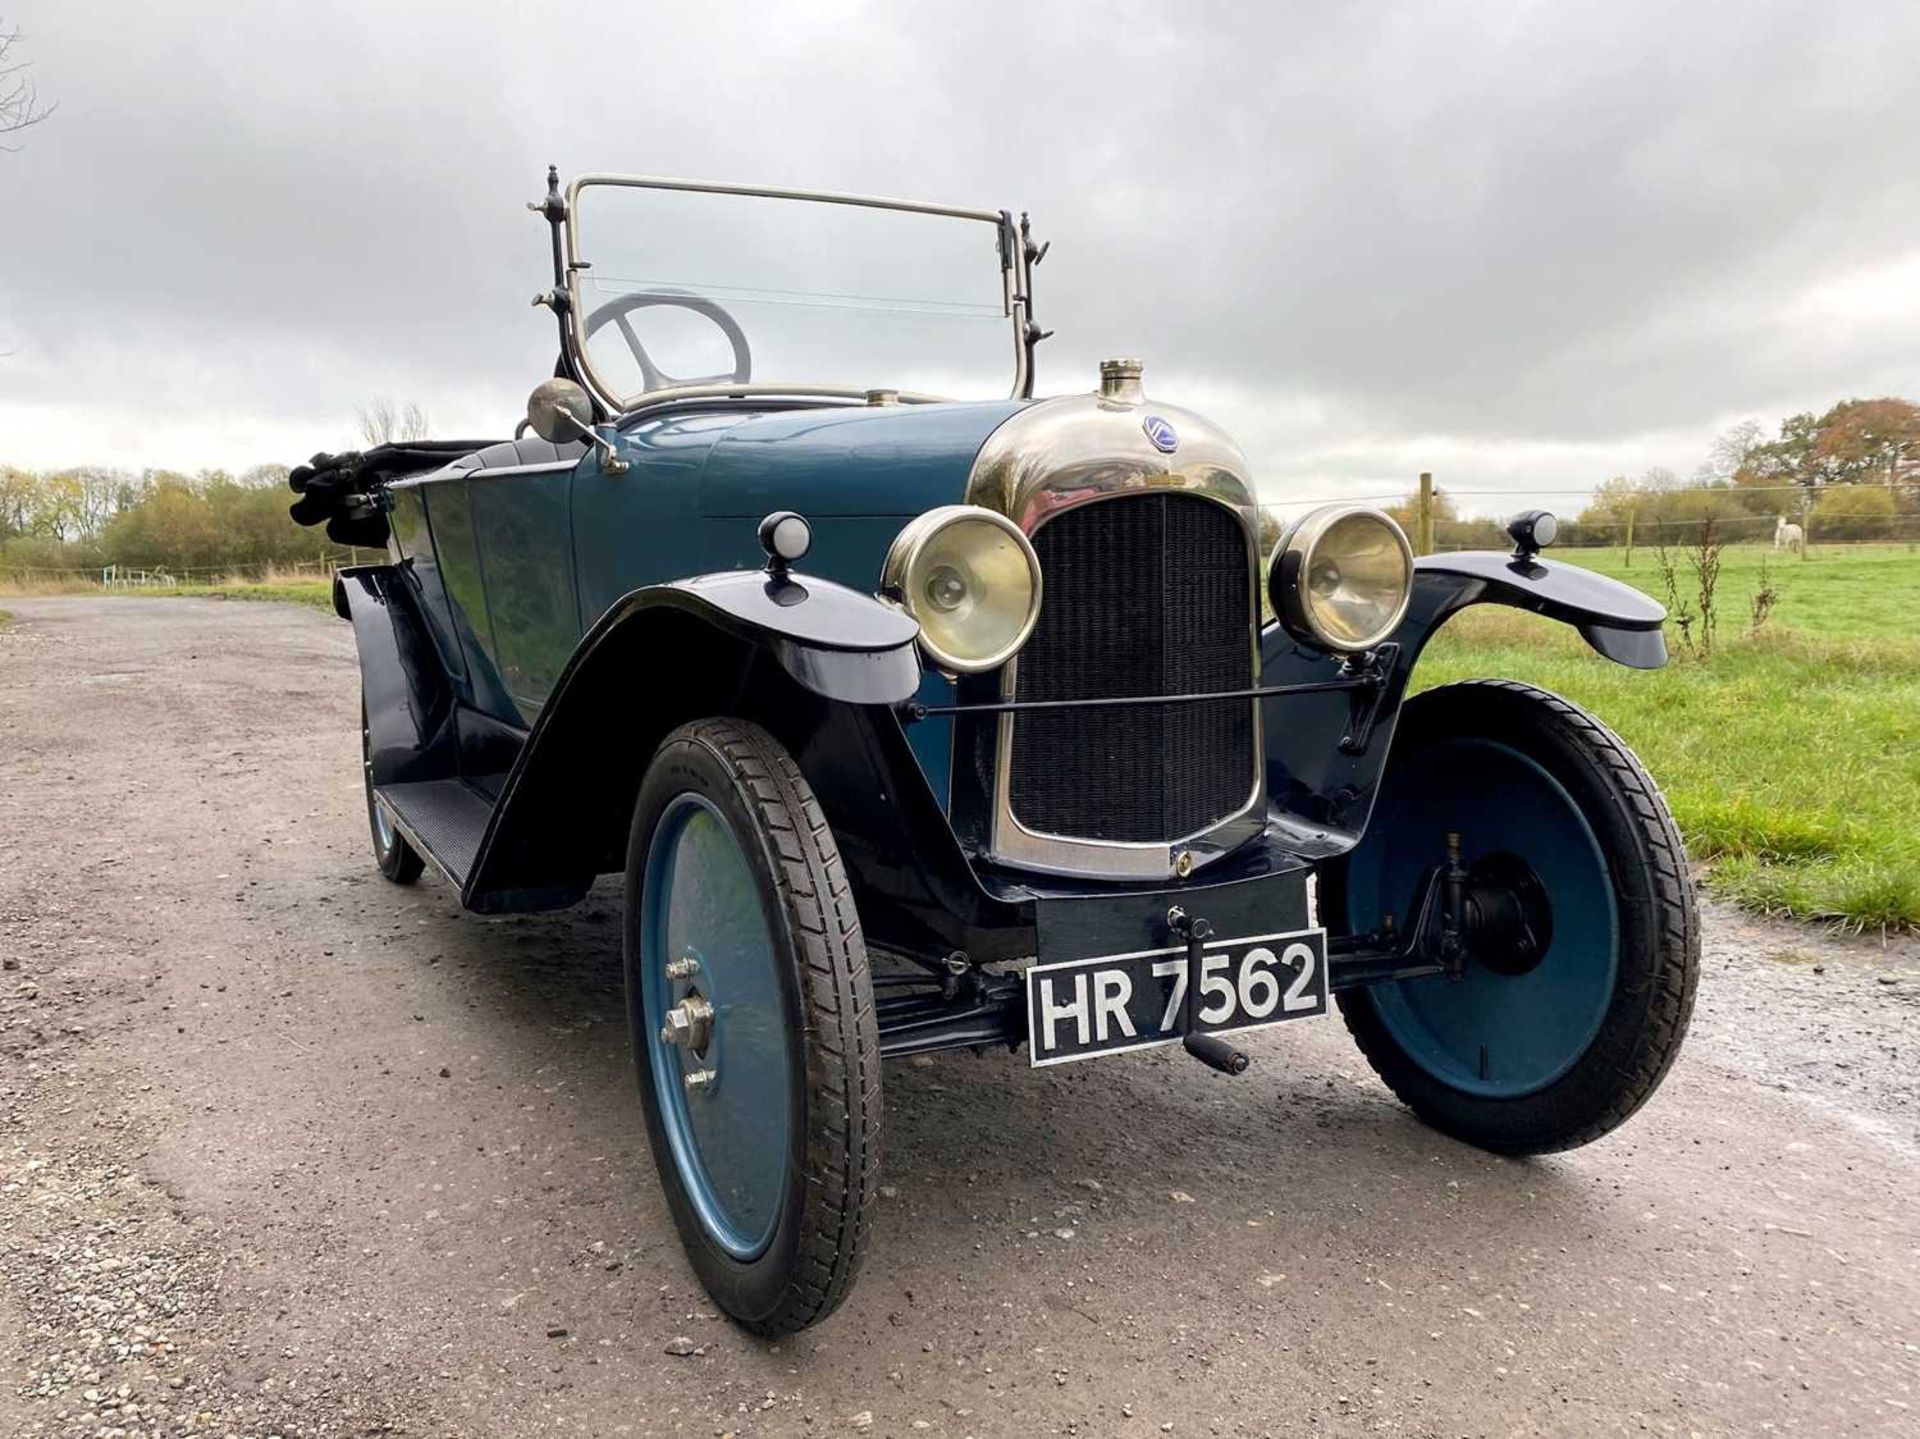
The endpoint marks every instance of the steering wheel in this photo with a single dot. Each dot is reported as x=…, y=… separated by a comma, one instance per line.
x=652, y=377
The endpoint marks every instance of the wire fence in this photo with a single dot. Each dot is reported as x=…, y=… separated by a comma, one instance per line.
x=172, y=576
x=1739, y=529
x=1788, y=516
x=1585, y=493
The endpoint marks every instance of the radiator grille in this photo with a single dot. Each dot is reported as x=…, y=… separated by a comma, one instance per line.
x=1145, y=594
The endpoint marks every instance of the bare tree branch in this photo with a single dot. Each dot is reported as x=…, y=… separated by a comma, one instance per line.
x=19, y=101
x=381, y=423
x=377, y=423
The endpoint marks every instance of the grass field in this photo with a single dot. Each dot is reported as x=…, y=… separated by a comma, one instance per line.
x=290, y=587
x=317, y=593
x=1792, y=757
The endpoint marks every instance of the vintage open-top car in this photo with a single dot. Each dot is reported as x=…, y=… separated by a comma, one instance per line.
x=982, y=689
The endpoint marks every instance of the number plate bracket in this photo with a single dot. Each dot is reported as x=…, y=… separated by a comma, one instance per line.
x=1071, y=926
x=1209, y=1049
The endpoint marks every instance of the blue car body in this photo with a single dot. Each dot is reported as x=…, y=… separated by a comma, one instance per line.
x=918, y=725
x=551, y=608
x=564, y=540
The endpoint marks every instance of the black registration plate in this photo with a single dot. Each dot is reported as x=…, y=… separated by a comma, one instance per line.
x=1084, y=1008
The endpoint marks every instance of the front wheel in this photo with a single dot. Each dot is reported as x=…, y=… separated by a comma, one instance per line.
x=753, y=1024
x=1556, y=1039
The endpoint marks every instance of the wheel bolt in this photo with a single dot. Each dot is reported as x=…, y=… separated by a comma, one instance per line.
x=700, y=1079
x=688, y=1023
x=685, y=967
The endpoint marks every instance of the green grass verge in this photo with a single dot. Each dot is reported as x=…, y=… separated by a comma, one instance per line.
x=315, y=591
x=1836, y=592
x=1792, y=758
x=6, y=618
x=318, y=594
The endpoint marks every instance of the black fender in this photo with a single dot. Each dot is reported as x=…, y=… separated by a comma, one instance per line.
x=836, y=641
x=823, y=672
x=1616, y=619
x=1325, y=753
x=659, y=657
x=409, y=702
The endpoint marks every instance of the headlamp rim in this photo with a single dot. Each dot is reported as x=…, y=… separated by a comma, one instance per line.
x=904, y=553
x=1291, y=562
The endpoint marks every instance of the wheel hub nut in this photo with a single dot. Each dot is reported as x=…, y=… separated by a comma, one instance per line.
x=689, y=1024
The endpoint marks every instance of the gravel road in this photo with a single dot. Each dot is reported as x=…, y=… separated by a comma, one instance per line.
x=287, y=1150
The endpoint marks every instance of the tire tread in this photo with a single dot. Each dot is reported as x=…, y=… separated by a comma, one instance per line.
x=842, y=1040
x=1676, y=925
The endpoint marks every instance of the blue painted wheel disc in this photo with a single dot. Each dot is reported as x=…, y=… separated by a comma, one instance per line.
x=729, y=1139
x=1495, y=1035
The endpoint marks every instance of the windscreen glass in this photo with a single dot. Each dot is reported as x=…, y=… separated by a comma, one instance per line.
x=685, y=287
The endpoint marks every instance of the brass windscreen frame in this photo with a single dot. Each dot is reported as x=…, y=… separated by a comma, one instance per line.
x=1015, y=282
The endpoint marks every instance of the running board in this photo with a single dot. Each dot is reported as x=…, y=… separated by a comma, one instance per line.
x=445, y=819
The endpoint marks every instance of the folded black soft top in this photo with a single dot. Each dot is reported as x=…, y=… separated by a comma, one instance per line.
x=337, y=490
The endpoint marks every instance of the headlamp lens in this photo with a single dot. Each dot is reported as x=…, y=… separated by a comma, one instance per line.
x=1342, y=578
x=972, y=581
x=1360, y=576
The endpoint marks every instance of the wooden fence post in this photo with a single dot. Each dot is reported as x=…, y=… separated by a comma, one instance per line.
x=1423, y=517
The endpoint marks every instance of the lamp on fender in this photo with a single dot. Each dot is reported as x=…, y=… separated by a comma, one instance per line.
x=1532, y=531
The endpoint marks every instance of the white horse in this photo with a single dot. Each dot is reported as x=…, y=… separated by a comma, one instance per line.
x=1788, y=536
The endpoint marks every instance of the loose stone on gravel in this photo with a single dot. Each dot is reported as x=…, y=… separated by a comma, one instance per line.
x=97, y=1257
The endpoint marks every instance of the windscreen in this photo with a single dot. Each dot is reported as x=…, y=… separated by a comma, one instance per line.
x=687, y=287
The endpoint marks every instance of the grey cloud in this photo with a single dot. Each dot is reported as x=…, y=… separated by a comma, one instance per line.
x=1526, y=237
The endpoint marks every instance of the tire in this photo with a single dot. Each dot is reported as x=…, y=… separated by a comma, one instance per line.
x=771, y=1169
x=397, y=860
x=1528, y=1054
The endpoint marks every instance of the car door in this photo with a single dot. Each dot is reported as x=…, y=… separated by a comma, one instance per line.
x=433, y=529
x=518, y=495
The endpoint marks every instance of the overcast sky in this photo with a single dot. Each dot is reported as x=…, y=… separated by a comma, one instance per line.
x=1523, y=246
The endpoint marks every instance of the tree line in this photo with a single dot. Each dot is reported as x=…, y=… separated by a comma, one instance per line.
x=1852, y=473
x=89, y=518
